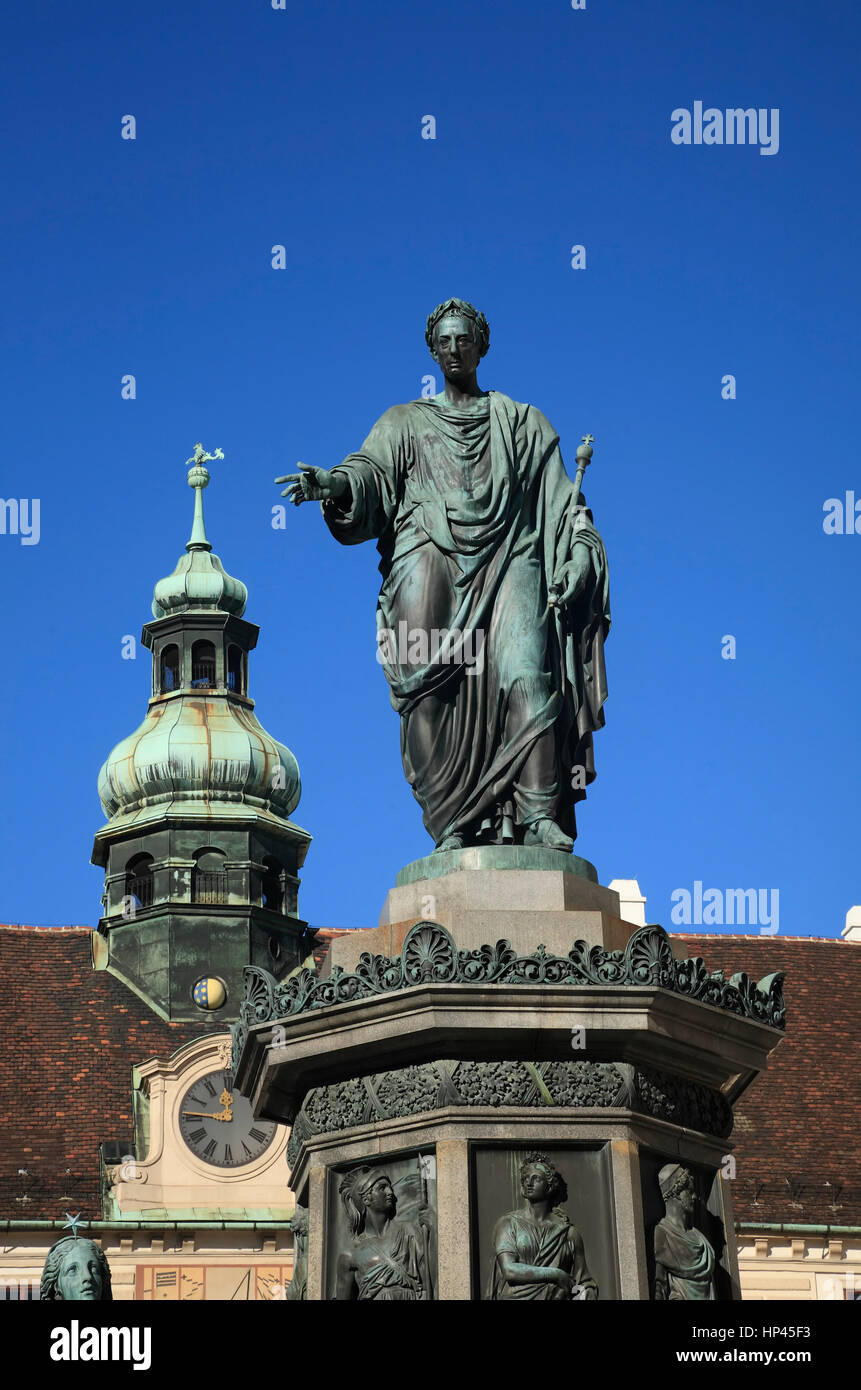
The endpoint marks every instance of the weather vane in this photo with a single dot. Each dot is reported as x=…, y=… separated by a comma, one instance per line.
x=200, y=456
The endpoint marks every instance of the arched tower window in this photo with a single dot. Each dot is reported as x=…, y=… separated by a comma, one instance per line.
x=138, y=885
x=234, y=669
x=203, y=665
x=169, y=675
x=209, y=877
x=273, y=892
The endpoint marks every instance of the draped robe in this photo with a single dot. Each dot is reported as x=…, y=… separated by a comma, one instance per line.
x=474, y=515
x=543, y=1245
x=684, y=1264
x=391, y=1267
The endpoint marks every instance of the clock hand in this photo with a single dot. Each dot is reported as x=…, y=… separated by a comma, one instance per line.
x=208, y=1115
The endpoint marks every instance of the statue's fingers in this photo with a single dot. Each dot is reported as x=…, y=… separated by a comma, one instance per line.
x=289, y=478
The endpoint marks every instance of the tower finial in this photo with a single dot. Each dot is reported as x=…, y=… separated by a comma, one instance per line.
x=198, y=478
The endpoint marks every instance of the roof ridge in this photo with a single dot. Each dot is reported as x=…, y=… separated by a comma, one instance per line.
x=35, y=926
x=755, y=936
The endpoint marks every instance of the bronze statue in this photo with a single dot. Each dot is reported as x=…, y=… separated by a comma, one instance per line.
x=388, y=1259
x=494, y=604
x=539, y=1253
x=76, y=1270
x=684, y=1258
x=297, y=1289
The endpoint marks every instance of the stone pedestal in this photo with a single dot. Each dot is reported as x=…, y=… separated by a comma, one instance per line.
x=499, y=891
x=435, y=1057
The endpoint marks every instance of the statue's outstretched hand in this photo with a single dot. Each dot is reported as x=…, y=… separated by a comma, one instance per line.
x=312, y=485
x=571, y=579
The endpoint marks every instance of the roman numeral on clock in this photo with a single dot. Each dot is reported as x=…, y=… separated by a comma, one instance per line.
x=196, y=1135
x=210, y=1149
x=228, y=1156
x=209, y=1086
x=257, y=1135
x=246, y=1148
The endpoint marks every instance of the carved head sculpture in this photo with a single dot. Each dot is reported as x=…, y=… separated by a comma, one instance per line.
x=367, y=1189
x=299, y=1223
x=677, y=1185
x=450, y=320
x=541, y=1181
x=76, y=1270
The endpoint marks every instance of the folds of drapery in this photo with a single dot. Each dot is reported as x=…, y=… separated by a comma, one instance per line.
x=488, y=490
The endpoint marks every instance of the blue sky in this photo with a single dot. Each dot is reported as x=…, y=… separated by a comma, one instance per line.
x=258, y=127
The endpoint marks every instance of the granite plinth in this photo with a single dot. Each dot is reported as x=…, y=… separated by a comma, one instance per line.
x=483, y=894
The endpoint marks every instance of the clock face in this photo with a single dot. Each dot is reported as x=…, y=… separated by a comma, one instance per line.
x=217, y=1124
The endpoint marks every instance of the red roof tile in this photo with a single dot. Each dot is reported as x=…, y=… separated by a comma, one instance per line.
x=797, y=1132
x=63, y=1092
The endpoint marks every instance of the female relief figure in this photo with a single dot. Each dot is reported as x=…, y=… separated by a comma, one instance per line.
x=388, y=1259
x=539, y=1254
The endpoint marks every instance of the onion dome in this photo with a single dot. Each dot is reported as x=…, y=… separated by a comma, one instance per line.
x=200, y=741
x=193, y=748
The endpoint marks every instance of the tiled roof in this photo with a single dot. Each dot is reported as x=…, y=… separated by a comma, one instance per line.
x=70, y=1037
x=325, y=937
x=797, y=1132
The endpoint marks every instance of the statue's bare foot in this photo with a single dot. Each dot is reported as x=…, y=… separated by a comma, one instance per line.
x=547, y=833
x=453, y=841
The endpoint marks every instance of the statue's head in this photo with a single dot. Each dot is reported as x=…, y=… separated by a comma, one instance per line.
x=677, y=1185
x=458, y=337
x=541, y=1181
x=76, y=1270
x=367, y=1189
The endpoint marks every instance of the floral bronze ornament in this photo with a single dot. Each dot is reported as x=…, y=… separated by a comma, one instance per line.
x=415, y=1090
x=431, y=956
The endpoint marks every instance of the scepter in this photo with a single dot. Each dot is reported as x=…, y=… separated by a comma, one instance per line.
x=584, y=458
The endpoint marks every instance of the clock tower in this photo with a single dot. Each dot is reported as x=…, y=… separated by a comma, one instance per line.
x=200, y=855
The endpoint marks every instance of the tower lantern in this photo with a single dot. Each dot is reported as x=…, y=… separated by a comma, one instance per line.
x=200, y=855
